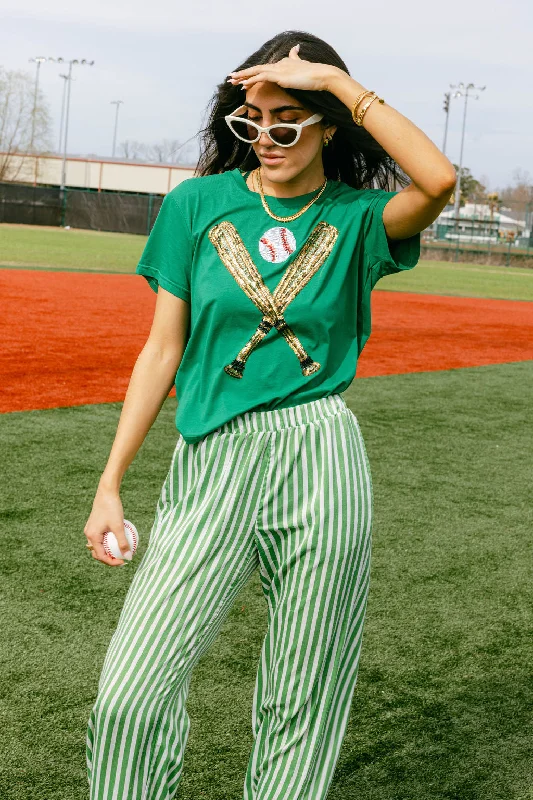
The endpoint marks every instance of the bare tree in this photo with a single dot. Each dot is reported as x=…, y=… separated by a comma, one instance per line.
x=168, y=151
x=485, y=181
x=523, y=188
x=518, y=197
x=16, y=111
x=132, y=150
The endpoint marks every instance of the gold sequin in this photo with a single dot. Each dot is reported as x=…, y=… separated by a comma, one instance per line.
x=239, y=263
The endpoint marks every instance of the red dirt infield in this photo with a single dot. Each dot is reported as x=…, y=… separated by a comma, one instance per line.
x=72, y=338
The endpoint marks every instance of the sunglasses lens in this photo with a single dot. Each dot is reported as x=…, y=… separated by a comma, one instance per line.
x=283, y=135
x=244, y=130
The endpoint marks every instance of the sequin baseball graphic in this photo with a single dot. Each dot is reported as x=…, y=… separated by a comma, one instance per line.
x=237, y=260
x=277, y=244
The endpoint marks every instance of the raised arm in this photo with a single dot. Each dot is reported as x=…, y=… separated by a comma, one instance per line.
x=433, y=176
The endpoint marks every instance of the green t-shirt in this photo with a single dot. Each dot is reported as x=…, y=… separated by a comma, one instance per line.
x=280, y=311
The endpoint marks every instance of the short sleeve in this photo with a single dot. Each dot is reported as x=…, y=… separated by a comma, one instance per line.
x=384, y=256
x=167, y=256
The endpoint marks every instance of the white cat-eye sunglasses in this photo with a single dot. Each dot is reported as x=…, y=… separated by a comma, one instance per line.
x=284, y=134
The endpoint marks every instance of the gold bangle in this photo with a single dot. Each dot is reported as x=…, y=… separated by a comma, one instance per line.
x=360, y=116
x=358, y=100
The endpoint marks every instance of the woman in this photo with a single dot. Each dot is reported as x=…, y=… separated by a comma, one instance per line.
x=263, y=264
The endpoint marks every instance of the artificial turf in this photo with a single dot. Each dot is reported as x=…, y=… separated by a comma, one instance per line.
x=444, y=702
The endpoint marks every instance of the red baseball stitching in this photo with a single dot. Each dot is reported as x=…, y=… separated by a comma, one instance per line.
x=270, y=246
x=134, y=536
x=286, y=243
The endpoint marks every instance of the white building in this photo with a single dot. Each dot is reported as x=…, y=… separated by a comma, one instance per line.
x=478, y=224
x=102, y=174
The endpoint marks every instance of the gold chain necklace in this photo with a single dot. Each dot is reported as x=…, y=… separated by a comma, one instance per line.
x=293, y=216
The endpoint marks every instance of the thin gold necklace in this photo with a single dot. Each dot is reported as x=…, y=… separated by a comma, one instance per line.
x=292, y=216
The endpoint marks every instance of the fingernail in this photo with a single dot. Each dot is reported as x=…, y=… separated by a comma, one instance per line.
x=128, y=555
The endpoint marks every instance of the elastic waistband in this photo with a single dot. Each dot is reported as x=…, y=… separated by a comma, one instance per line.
x=288, y=417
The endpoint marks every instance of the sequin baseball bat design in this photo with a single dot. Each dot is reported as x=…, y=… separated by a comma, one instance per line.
x=239, y=263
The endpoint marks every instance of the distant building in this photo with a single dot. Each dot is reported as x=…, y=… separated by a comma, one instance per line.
x=100, y=174
x=478, y=223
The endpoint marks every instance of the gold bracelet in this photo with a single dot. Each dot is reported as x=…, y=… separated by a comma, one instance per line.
x=360, y=116
x=358, y=100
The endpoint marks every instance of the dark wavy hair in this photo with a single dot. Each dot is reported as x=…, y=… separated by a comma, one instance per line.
x=353, y=155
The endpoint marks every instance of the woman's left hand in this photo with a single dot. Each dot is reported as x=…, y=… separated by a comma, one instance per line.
x=291, y=72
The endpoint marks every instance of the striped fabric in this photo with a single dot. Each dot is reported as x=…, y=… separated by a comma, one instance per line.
x=288, y=492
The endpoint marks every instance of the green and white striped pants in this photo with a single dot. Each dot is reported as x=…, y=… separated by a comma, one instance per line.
x=286, y=491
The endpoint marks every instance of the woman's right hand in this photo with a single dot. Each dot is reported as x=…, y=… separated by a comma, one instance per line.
x=107, y=515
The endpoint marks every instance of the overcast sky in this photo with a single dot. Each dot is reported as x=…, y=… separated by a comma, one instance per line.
x=164, y=59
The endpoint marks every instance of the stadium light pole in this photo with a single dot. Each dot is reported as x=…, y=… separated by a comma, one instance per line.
x=117, y=103
x=37, y=60
x=62, y=110
x=73, y=61
x=446, y=108
x=462, y=91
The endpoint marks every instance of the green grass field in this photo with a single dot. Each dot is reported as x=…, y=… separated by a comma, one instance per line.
x=444, y=702
x=97, y=251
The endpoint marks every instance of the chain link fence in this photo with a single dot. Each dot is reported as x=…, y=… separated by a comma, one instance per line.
x=481, y=236
x=123, y=212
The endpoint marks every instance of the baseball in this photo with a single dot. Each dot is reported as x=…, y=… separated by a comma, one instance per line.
x=110, y=542
x=277, y=244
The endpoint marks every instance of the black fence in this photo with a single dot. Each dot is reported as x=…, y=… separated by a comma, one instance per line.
x=128, y=212
x=79, y=208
